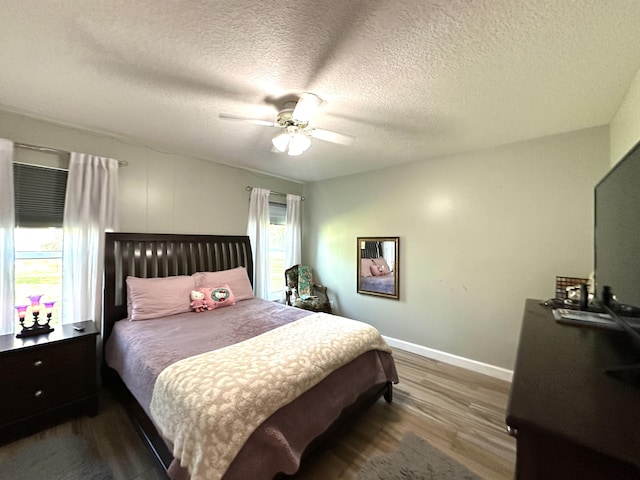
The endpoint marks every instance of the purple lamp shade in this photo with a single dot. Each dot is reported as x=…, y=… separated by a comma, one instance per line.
x=35, y=302
x=22, y=311
x=48, y=306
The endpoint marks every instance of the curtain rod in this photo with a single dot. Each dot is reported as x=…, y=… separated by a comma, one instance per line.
x=121, y=163
x=275, y=193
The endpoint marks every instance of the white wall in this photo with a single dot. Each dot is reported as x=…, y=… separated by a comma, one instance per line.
x=159, y=192
x=625, y=125
x=479, y=233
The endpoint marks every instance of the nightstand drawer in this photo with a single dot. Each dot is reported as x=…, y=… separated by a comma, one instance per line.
x=32, y=363
x=47, y=379
x=26, y=398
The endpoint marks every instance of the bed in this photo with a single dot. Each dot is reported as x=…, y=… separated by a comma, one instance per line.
x=376, y=276
x=149, y=362
x=382, y=284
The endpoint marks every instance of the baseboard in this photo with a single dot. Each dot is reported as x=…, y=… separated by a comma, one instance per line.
x=473, y=365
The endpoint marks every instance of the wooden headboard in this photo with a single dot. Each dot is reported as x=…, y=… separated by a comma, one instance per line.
x=148, y=255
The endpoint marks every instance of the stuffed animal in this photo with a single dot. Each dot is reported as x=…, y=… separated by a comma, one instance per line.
x=197, y=301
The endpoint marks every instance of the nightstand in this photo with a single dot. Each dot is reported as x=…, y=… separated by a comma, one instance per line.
x=47, y=379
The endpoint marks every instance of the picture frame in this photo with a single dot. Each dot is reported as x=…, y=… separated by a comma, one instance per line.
x=378, y=266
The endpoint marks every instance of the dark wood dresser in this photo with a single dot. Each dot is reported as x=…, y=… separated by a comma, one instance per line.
x=569, y=417
x=47, y=379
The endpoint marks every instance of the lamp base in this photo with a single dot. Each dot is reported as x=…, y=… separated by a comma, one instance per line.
x=35, y=330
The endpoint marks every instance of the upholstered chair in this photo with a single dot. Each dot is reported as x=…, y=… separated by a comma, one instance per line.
x=301, y=292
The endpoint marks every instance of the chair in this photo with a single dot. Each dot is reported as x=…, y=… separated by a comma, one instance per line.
x=305, y=293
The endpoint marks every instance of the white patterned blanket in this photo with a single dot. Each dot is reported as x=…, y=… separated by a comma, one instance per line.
x=208, y=405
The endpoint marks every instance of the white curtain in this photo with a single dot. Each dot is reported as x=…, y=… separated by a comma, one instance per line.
x=89, y=211
x=389, y=254
x=258, y=232
x=8, y=318
x=292, y=237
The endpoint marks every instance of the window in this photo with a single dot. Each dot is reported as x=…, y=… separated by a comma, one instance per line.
x=39, y=202
x=38, y=267
x=277, y=215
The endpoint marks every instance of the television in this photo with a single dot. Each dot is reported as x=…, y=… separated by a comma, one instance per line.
x=617, y=245
x=617, y=232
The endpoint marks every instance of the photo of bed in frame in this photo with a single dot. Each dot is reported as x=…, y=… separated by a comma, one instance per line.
x=244, y=391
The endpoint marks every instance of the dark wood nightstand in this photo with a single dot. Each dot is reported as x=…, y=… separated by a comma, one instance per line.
x=47, y=379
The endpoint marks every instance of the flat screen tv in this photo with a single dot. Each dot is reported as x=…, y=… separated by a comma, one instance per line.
x=617, y=246
x=617, y=232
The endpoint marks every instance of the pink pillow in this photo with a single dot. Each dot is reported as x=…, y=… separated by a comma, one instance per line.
x=382, y=263
x=158, y=297
x=217, y=297
x=365, y=267
x=236, y=278
x=376, y=272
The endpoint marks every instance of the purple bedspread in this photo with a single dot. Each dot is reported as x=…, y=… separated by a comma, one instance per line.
x=382, y=284
x=140, y=350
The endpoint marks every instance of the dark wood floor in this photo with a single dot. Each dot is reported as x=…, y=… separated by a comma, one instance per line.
x=460, y=412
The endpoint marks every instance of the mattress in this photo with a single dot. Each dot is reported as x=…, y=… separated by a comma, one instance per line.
x=139, y=351
x=382, y=284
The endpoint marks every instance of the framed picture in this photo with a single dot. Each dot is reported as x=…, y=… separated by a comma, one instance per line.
x=378, y=266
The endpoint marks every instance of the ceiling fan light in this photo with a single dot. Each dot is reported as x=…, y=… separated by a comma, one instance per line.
x=293, y=152
x=281, y=141
x=299, y=144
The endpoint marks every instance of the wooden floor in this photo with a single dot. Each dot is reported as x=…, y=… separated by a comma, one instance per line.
x=460, y=412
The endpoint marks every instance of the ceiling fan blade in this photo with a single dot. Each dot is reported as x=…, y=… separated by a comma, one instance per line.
x=333, y=137
x=306, y=107
x=254, y=121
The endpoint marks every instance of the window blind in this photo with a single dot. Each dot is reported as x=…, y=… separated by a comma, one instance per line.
x=39, y=195
x=371, y=250
x=277, y=213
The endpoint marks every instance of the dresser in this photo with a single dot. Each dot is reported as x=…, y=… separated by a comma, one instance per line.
x=47, y=379
x=572, y=420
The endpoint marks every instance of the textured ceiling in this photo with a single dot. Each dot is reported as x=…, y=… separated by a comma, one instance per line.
x=411, y=80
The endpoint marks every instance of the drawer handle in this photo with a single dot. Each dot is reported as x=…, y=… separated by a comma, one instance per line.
x=38, y=393
x=37, y=363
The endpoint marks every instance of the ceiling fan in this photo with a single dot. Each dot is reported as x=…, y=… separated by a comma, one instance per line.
x=296, y=134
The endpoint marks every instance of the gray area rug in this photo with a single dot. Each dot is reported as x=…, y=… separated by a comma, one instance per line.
x=57, y=458
x=414, y=459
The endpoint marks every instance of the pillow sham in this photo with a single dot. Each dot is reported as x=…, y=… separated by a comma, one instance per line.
x=381, y=262
x=377, y=271
x=236, y=278
x=365, y=267
x=158, y=297
x=217, y=297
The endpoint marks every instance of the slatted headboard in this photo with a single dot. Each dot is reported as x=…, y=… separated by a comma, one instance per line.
x=148, y=255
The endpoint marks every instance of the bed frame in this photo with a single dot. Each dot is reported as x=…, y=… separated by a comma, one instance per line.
x=162, y=255
x=148, y=255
